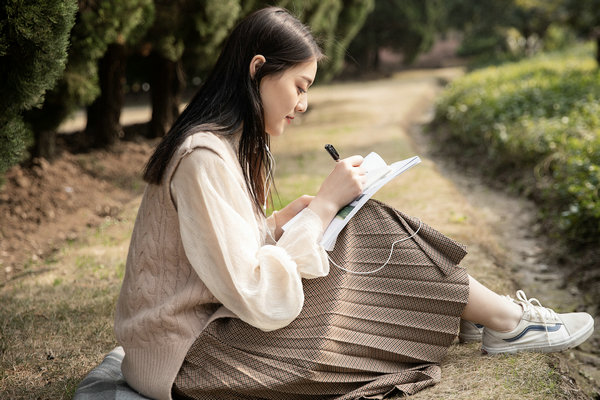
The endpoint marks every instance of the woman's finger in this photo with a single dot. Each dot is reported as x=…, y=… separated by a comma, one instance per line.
x=354, y=161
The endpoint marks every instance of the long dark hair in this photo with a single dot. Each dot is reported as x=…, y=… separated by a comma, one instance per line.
x=229, y=99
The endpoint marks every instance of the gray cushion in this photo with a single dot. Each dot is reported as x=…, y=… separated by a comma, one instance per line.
x=106, y=382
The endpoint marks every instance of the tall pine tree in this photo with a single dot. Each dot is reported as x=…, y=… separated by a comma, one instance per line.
x=97, y=26
x=193, y=28
x=126, y=23
x=33, y=52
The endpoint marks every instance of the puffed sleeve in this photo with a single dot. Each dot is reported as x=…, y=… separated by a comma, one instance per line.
x=259, y=283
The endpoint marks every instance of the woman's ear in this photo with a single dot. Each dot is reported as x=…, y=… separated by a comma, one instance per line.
x=255, y=64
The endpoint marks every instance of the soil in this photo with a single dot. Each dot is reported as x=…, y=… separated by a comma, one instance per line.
x=45, y=204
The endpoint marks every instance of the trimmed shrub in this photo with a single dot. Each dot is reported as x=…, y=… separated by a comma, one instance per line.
x=536, y=122
x=33, y=51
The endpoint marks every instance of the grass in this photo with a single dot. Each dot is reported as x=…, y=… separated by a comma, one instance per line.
x=56, y=322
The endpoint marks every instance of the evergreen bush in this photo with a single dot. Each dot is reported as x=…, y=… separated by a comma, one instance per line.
x=34, y=38
x=536, y=119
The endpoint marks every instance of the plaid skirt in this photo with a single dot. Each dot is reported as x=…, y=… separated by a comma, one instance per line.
x=358, y=335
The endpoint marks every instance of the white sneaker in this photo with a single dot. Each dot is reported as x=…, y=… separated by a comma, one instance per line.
x=470, y=332
x=540, y=330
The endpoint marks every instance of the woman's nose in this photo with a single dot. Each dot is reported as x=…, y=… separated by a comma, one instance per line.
x=302, y=104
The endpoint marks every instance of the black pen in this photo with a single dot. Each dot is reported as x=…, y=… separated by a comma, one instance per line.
x=331, y=150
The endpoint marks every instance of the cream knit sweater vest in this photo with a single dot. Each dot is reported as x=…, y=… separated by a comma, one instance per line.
x=163, y=305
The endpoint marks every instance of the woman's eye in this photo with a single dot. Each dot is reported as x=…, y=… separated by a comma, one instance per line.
x=301, y=90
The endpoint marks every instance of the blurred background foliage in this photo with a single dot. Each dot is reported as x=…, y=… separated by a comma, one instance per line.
x=535, y=124
x=523, y=109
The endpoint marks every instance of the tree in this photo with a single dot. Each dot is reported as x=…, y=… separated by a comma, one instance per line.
x=334, y=23
x=482, y=25
x=195, y=29
x=33, y=52
x=188, y=35
x=350, y=22
x=95, y=29
x=127, y=23
x=503, y=29
x=408, y=26
x=584, y=17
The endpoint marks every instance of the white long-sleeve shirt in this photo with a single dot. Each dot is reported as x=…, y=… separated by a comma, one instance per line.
x=226, y=244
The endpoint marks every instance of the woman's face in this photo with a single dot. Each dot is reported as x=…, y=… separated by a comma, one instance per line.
x=284, y=95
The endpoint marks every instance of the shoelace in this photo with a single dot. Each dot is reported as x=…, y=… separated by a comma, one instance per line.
x=538, y=310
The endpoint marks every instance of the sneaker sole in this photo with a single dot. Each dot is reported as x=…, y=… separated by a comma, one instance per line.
x=573, y=341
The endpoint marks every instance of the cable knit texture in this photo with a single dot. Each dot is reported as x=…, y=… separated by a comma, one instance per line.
x=199, y=251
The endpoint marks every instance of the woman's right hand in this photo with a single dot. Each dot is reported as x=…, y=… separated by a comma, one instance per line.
x=343, y=185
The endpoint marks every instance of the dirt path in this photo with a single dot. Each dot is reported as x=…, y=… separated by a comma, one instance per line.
x=40, y=357
x=526, y=252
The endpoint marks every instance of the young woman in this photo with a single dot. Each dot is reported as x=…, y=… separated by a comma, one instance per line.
x=218, y=302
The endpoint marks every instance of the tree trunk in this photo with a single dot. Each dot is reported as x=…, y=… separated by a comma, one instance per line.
x=598, y=49
x=376, y=59
x=45, y=145
x=166, y=85
x=103, y=127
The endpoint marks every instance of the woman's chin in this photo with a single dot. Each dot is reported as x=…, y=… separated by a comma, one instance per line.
x=275, y=132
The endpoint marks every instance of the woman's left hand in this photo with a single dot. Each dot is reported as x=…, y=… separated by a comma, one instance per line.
x=289, y=212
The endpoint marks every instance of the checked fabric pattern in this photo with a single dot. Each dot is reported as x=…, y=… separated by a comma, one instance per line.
x=358, y=336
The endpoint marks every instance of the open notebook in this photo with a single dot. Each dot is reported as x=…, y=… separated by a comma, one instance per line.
x=378, y=174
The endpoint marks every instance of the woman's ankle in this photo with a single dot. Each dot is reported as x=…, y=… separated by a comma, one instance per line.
x=508, y=321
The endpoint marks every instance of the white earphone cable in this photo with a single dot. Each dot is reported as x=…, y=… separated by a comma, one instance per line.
x=268, y=182
x=268, y=179
x=384, y=264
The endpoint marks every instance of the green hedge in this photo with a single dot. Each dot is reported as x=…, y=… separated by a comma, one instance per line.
x=537, y=119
